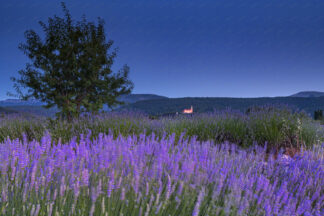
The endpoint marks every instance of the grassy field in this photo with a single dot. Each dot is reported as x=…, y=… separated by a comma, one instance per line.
x=225, y=163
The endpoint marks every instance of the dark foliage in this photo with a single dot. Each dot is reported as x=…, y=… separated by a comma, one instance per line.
x=4, y=110
x=209, y=104
x=318, y=114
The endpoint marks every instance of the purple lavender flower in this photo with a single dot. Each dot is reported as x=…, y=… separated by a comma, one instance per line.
x=168, y=192
x=122, y=196
x=198, y=202
x=85, y=177
x=111, y=187
x=141, y=163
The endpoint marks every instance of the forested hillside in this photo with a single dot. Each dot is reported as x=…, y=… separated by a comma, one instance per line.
x=170, y=105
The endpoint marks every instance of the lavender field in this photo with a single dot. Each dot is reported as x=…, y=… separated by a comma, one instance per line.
x=158, y=174
x=161, y=108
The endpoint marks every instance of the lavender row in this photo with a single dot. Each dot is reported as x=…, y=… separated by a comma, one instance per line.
x=144, y=175
x=279, y=127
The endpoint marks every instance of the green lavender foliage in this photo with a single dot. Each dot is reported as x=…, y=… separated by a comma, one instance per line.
x=276, y=127
x=14, y=126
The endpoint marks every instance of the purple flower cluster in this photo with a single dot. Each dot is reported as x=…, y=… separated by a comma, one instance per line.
x=236, y=180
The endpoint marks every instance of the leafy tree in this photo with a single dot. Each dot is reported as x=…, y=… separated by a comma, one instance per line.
x=71, y=67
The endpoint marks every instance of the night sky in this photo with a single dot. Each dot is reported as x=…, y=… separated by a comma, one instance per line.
x=191, y=48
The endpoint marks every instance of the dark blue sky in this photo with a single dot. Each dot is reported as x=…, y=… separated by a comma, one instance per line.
x=179, y=48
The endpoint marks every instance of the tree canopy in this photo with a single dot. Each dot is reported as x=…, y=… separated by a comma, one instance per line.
x=71, y=67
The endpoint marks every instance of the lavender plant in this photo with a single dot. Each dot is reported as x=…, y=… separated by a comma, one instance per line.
x=278, y=127
x=147, y=175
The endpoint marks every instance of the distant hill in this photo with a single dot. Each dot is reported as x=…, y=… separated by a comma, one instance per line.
x=308, y=94
x=132, y=98
x=35, y=107
x=7, y=111
x=200, y=104
x=17, y=102
x=34, y=110
x=159, y=105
